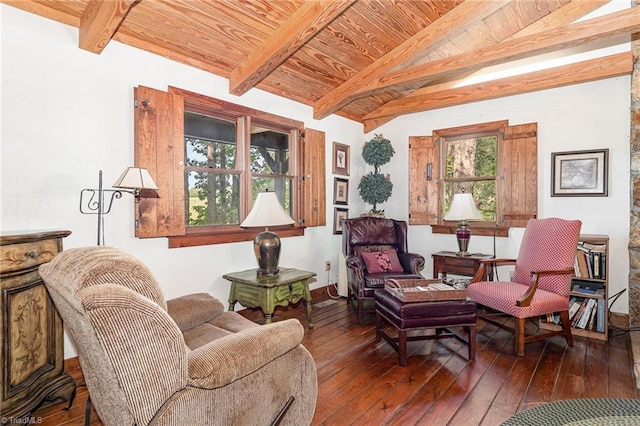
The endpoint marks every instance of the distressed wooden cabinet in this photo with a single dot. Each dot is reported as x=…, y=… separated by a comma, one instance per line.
x=32, y=338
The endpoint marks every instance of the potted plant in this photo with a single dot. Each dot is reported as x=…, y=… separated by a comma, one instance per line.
x=374, y=187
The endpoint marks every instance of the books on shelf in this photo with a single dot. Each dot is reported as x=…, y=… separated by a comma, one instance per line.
x=591, y=260
x=588, y=304
x=592, y=288
x=586, y=314
x=600, y=315
x=583, y=313
x=574, y=306
x=582, y=268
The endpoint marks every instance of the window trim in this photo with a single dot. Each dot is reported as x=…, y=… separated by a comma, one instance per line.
x=426, y=186
x=159, y=147
x=244, y=117
x=488, y=129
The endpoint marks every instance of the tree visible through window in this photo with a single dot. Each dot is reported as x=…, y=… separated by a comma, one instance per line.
x=471, y=167
x=210, y=159
x=213, y=183
x=495, y=162
x=214, y=168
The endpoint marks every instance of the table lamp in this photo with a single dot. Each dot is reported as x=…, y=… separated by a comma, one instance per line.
x=463, y=208
x=267, y=211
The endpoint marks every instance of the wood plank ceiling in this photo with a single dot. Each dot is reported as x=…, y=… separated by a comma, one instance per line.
x=367, y=60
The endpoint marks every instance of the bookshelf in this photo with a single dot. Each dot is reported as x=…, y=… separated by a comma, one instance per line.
x=589, y=290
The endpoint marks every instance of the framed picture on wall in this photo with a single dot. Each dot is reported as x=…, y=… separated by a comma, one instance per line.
x=340, y=191
x=339, y=214
x=580, y=173
x=340, y=159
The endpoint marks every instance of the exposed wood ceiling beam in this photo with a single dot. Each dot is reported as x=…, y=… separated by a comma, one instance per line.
x=453, y=22
x=48, y=10
x=601, y=28
x=580, y=72
x=565, y=15
x=100, y=20
x=302, y=26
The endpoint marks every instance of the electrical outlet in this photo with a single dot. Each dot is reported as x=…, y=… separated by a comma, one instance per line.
x=327, y=265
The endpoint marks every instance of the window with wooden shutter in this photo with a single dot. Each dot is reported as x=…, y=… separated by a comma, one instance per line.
x=518, y=175
x=313, y=182
x=159, y=147
x=210, y=158
x=424, y=173
x=496, y=162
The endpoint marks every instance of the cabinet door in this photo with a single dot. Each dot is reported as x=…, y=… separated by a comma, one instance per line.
x=33, y=335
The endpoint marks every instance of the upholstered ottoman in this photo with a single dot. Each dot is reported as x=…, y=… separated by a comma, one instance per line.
x=440, y=315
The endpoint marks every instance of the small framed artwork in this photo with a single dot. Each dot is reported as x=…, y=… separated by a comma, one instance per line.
x=340, y=159
x=339, y=214
x=580, y=173
x=340, y=191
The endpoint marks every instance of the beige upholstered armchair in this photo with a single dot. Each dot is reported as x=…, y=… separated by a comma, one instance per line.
x=183, y=361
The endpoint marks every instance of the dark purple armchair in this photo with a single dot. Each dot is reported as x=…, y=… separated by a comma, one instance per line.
x=368, y=243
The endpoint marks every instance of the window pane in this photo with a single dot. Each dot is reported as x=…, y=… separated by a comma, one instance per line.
x=213, y=198
x=269, y=151
x=282, y=188
x=210, y=142
x=474, y=157
x=484, y=194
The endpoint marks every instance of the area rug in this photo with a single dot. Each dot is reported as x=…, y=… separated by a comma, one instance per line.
x=580, y=412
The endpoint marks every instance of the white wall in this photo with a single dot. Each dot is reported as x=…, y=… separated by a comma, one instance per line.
x=580, y=117
x=67, y=113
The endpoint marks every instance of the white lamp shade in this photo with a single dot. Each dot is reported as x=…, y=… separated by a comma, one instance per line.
x=266, y=211
x=135, y=178
x=463, y=207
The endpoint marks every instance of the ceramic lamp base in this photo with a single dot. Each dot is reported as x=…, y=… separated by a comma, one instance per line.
x=463, y=235
x=267, y=248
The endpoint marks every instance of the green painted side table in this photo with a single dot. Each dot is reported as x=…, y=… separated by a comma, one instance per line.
x=266, y=292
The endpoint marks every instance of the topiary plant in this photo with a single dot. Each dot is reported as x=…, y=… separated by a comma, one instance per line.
x=375, y=187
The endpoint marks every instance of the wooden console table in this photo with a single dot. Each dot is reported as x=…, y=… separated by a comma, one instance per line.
x=448, y=262
x=267, y=292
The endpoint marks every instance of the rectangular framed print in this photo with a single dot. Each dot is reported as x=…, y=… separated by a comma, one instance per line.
x=579, y=173
x=340, y=159
x=340, y=191
x=339, y=214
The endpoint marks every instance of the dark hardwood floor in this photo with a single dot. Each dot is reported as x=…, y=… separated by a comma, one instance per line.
x=361, y=383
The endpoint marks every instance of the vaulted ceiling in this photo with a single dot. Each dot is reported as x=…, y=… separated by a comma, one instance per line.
x=367, y=60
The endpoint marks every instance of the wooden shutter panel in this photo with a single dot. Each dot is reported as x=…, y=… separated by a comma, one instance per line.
x=313, y=192
x=159, y=147
x=423, y=180
x=517, y=184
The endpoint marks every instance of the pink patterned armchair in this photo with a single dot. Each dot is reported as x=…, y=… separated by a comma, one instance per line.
x=541, y=279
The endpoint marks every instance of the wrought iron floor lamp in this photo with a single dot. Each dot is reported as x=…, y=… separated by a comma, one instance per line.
x=99, y=201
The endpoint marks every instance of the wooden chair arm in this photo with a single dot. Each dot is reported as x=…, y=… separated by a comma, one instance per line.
x=525, y=299
x=481, y=275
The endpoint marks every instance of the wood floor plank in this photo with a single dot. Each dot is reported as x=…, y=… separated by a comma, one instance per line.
x=546, y=375
x=595, y=376
x=621, y=381
x=572, y=371
x=431, y=391
x=509, y=398
x=361, y=383
x=489, y=381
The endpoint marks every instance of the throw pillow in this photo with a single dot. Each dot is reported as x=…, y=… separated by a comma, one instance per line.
x=382, y=261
